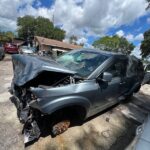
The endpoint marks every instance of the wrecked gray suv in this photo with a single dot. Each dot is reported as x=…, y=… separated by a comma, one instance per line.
x=76, y=86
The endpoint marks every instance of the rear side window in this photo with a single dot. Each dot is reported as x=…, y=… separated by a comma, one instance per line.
x=118, y=68
x=135, y=67
x=148, y=68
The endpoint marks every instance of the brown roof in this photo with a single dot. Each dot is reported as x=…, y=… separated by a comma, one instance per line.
x=18, y=42
x=55, y=43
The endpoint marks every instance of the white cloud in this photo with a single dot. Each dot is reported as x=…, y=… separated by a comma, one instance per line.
x=120, y=33
x=97, y=16
x=136, y=52
x=82, y=40
x=87, y=45
x=148, y=20
x=76, y=16
x=139, y=37
x=9, y=13
x=28, y=10
x=7, y=24
x=132, y=38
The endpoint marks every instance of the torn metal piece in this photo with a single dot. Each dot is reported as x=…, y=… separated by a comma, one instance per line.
x=31, y=131
x=23, y=115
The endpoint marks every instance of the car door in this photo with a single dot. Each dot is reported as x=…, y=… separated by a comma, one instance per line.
x=108, y=92
x=121, y=67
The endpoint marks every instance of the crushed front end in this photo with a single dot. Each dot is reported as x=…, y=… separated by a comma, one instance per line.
x=31, y=73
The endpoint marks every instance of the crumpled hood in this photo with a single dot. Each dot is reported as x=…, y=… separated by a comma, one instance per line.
x=28, y=67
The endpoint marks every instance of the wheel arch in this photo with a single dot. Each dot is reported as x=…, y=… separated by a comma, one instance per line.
x=77, y=112
x=74, y=102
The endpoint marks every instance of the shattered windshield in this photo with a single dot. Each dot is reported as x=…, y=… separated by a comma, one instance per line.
x=82, y=62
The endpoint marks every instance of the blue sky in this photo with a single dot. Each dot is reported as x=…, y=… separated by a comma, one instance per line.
x=43, y=3
x=86, y=19
x=139, y=25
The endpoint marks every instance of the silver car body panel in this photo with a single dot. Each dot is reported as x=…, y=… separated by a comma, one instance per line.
x=143, y=142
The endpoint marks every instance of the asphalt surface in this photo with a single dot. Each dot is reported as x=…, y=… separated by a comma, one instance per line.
x=112, y=129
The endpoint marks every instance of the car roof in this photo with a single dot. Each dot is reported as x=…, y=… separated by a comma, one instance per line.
x=108, y=53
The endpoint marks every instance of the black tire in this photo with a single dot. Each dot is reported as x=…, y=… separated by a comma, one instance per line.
x=137, y=89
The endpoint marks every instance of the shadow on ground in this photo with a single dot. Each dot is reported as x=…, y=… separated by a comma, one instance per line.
x=116, y=131
x=112, y=138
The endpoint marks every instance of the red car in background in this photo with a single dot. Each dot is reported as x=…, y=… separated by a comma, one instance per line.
x=10, y=48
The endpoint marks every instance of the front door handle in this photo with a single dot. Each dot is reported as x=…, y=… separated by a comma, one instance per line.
x=121, y=83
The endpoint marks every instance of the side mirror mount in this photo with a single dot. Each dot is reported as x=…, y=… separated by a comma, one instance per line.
x=107, y=77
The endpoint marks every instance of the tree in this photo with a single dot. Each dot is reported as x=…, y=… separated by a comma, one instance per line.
x=10, y=35
x=114, y=43
x=58, y=34
x=145, y=45
x=73, y=40
x=6, y=36
x=29, y=26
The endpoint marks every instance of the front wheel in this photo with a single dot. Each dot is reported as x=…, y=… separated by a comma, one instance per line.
x=60, y=127
x=61, y=121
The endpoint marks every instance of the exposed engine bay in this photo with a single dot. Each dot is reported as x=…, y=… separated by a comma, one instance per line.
x=30, y=117
x=39, y=77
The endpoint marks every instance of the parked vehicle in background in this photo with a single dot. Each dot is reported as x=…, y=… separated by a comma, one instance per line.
x=10, y=48
x=27, y=50
x=79, y=84
x=2, y=53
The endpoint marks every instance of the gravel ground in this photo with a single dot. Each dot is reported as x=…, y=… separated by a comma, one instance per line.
x=112, y=129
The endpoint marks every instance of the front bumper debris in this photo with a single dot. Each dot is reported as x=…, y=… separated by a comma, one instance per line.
x=31, y=131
